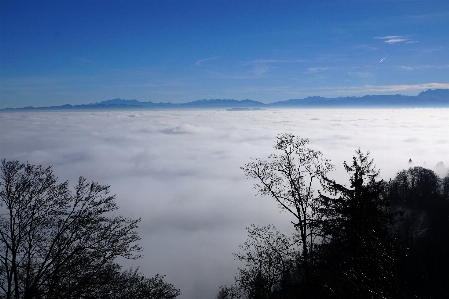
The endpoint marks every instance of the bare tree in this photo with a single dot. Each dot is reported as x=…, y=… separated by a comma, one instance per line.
x=289, y=176
x=269, y=258
x=132, y=284
x=232, y=292
x=55, y=243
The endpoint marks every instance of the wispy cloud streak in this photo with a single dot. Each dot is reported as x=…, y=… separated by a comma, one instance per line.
x=394, y=39
x=201, y=61
x=391, y=88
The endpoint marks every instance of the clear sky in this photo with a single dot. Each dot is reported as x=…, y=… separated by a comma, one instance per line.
x=58, y=52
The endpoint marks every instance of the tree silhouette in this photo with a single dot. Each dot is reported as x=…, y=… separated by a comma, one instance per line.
x=423, y=235
x=289, y=176
x=132, y=284
x=446, y=186
x=55, y=243
x=371, y=239
x=359, y=248
x=269, y=257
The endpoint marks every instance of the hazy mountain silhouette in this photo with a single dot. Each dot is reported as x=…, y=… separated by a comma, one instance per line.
x=432, y=98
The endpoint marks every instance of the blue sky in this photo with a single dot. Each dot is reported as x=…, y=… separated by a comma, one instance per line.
x=58, y=52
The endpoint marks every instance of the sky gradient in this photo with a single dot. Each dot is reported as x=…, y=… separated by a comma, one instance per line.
x=58, y=52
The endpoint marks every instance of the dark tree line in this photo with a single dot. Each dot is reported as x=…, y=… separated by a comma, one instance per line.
x=364, y=239
x=423, y=233
x=58, y=243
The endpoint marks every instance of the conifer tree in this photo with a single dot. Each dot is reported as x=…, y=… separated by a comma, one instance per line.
x=358, y=248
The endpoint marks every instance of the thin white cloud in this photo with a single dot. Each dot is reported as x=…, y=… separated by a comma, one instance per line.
x=361, y=74
x=246, y=70
x=249, y=74
x=201, y=61
x=314, y=70
x=422, y=67
x=408, y=68
x=405, y=88
x=261, y=67
x=260, y=70
x=366, y=47
x=277, y=61
x=156, y=84
x=394, y=39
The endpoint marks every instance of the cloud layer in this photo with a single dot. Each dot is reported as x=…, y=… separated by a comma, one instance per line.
x=179, y=170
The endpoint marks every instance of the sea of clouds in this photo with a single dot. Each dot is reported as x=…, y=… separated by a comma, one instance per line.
x=179, y=171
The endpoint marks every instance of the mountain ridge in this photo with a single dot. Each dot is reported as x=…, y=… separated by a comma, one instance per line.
x=431, y=98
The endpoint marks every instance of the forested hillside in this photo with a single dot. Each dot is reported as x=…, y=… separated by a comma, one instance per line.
x=357, y=238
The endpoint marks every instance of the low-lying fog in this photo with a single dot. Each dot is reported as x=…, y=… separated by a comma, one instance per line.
x=179, y=170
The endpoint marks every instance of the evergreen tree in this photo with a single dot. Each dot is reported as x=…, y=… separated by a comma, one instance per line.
x=358, y=249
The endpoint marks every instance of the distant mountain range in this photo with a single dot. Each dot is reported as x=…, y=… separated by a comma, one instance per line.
x=432, y=98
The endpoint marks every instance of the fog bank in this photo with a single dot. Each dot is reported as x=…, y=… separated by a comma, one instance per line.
x=179, y=170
